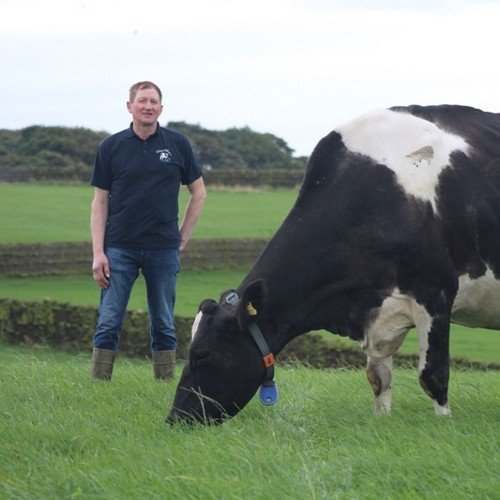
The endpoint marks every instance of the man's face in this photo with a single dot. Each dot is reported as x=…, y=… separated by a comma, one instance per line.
x=146, y=107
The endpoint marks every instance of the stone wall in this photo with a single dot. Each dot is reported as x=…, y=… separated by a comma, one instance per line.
x=76, y=258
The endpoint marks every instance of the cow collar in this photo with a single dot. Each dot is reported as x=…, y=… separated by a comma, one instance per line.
x=268, y=391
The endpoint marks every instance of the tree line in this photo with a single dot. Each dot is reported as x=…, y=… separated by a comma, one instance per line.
x=67, y=154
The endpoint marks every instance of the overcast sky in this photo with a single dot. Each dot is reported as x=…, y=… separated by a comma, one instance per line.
x=295, y=68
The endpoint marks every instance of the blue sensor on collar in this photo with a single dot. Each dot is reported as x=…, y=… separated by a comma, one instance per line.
x=268, y=393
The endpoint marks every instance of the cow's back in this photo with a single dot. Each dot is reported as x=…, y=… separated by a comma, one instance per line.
x=479, y=128
x=468, y=202
x=445, y=158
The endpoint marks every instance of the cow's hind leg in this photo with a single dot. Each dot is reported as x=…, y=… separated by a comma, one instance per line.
x=434, y=364
x=379, y=374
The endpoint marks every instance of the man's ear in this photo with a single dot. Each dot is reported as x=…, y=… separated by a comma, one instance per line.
x=252, y=304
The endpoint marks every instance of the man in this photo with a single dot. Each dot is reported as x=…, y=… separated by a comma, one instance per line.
x=134, y=223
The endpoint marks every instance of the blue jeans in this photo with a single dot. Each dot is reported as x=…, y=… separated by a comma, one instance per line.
x=160, y=269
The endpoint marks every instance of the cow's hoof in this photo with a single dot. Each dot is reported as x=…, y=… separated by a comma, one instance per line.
x=443, y=410
x=382, y=404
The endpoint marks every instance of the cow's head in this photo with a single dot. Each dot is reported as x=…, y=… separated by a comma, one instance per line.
x=225, y=366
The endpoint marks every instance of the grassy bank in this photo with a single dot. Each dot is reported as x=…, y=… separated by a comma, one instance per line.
x=471, y=343
x=64, y=436
x=196, y=285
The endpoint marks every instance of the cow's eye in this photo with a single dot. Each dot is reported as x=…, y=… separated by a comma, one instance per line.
x=200, y=358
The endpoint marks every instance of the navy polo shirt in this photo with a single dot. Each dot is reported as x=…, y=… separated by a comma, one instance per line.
x=143, y=178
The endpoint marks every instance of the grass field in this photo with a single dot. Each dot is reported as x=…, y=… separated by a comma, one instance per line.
x=65, y=436
x=193, y=287
x=33, y=213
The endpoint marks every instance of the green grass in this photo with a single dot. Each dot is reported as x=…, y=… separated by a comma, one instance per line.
x=65, y=436
x=193, y=287
x=34, y=213
x=475, y=344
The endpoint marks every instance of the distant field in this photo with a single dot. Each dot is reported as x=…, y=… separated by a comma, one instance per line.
x=33, y=213
x=194, y=286
x=40, y=213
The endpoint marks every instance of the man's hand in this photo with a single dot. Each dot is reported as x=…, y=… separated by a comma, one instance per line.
x=100, y=270
x=184, y=242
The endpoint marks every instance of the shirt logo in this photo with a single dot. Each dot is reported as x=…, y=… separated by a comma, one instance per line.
x=165, y=155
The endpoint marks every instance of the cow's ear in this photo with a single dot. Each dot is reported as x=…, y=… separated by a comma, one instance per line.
x=208, y=306
x=253, y=302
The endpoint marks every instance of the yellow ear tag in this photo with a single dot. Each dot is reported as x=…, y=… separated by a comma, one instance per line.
x=251, y=309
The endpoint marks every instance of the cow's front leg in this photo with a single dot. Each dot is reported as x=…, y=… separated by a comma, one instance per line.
x=379, y=374
x=434, y=363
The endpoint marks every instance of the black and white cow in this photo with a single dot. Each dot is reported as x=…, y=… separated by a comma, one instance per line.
x=397, y=224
